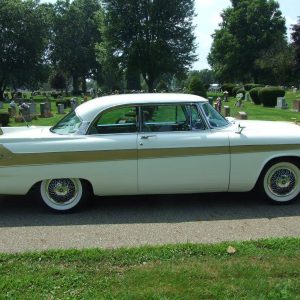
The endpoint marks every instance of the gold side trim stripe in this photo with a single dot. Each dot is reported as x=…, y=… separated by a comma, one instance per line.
x=7, y=158
x=181, y=152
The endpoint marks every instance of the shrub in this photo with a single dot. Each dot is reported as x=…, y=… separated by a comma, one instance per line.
x=250, y=86
x=254, y=94
x=196, y=87
x=229, y=88
x=268, y=95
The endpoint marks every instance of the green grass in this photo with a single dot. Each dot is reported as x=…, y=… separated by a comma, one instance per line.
x=267, y=269
x=258, y=112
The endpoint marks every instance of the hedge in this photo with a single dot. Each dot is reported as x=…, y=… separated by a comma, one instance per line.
x=268, y=95
x=250, y=86
x=254, y=94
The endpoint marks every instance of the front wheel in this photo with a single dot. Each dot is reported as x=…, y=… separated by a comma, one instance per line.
x=280, y=182
x=63, y=194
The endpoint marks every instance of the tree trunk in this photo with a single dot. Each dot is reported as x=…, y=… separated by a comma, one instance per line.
x=75, y=85
x=84, y=85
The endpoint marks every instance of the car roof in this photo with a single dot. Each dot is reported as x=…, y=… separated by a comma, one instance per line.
x=90, y=109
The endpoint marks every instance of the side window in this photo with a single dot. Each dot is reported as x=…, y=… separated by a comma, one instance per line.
x=117, y=120
x=197, y=122
x=160, y=118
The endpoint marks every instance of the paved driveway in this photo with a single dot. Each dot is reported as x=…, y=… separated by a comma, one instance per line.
x=132, y=221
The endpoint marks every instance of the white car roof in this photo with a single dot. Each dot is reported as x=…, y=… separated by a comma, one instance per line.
x=90, y=109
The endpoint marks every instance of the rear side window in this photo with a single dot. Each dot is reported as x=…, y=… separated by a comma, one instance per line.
x=116, y=120
x=162, y=118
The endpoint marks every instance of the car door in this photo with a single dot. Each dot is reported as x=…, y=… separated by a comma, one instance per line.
x=178, y=153
x=114, y=134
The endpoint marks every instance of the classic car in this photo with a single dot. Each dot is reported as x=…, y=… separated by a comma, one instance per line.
x=149, y=144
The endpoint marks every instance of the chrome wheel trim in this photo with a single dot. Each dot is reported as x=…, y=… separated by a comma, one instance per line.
x=61, y=193
x=282, y=182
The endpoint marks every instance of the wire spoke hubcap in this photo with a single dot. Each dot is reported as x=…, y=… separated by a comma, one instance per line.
x=61, y=191
x=282, y=182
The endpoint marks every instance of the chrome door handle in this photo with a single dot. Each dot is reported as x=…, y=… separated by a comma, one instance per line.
x=145, y=137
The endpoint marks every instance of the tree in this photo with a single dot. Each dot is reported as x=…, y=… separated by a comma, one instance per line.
x=275, y=66
x=296, y=46
x=196, y=87
x=159, y=39
x=24, y=30
x=75, y=34
x=58, y=81
x=249, y=28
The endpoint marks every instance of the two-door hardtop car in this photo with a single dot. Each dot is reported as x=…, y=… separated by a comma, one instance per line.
x=149, y=144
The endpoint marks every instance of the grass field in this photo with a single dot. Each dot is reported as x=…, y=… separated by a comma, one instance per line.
x=268, y=269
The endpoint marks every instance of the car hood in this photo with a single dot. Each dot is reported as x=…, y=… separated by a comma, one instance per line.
x=268, y=131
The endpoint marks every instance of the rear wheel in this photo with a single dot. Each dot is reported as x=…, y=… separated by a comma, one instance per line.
x=280, y=182
x=64, y=194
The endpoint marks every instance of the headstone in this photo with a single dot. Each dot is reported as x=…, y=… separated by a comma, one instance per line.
x=242, y=115
x=281, y=104
x=73, y=103
x=32, y=108
x=48, y=105
x=25, y=112
x=211, y=100
x=247, y=96
x=226, y=111
x=60, y=109
x=1, y=104
x=45, y=111
x=296, y=105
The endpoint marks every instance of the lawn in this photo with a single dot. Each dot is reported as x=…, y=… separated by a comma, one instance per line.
x=267, y=269
x=258, y=112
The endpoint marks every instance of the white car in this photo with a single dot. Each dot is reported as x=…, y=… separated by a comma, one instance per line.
x=149, y=144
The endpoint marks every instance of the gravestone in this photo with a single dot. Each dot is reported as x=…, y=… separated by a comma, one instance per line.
x=61, y=109
x=281, y=104
x=1, y=104
x=73, y=103
x=296, y=105
x=25, y=112
x=247, y=96
x=242, y=115
x=211, y=100
x=32, y=107
x=226, y=111
x=45, y=110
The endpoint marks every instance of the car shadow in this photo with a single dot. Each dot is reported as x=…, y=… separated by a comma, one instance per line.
x=22, y=211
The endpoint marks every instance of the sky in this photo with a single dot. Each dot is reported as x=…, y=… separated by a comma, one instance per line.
x=208, y=17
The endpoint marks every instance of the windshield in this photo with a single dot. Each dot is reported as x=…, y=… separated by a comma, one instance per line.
x=70, y=124
x=214, y=118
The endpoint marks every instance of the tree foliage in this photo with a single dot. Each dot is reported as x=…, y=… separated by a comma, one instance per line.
x=248, y=30
x=296, y=46
x=24, y=31
x=153, y=36
x=75, y=33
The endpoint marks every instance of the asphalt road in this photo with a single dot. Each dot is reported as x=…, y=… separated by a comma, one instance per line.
x=133, y=221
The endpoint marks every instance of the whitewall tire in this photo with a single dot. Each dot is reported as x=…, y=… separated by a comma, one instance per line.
x=280, y=182
x=63, y=194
